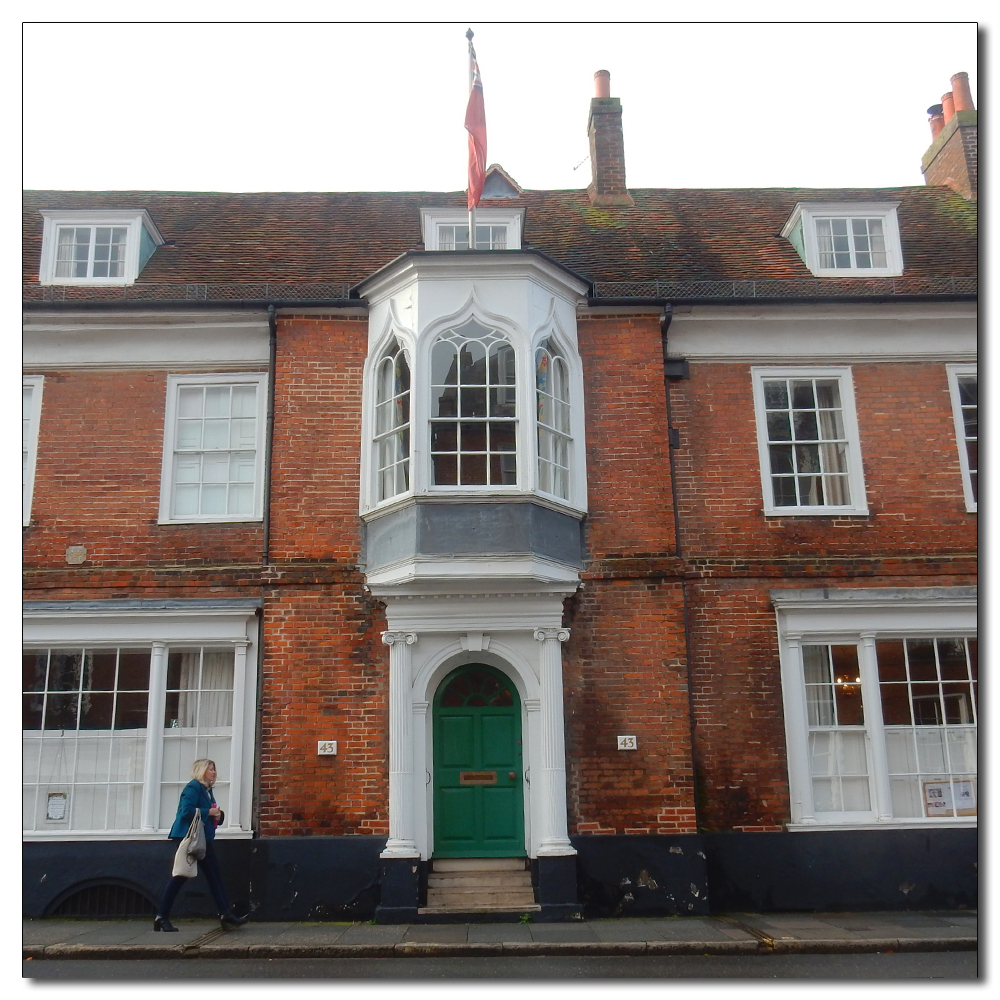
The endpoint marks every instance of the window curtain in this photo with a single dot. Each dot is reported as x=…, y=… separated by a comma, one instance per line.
x=833, y=452
x=206, y=702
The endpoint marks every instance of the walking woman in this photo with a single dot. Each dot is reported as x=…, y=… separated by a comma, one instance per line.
x=197, y=794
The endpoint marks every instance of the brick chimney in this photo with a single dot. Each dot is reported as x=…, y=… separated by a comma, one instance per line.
x=607, y=146
x=952, y=159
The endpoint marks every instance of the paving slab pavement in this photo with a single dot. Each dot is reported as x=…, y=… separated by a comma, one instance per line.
x=732, y=933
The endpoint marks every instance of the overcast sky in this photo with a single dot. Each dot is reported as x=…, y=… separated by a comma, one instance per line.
x=369, y=107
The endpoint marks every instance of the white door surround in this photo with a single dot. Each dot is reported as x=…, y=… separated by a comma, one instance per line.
x=428, y=637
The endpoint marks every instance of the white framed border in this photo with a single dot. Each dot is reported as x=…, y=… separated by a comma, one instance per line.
x=174, y=382
x=855, y=470
x=134, y=219
x=809, y=211
x=954, y=371
x=30, y=444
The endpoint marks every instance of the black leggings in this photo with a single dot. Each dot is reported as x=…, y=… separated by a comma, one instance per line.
x=209, y=867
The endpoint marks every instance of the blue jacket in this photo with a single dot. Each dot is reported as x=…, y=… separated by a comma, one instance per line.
x=194, y=796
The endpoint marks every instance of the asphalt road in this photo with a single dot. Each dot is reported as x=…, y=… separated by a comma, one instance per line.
x=917, y=965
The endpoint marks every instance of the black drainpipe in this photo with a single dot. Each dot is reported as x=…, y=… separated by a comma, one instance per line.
x=272, y=326
x=679, y=369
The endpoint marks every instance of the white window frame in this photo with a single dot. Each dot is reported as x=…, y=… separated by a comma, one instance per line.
x=174, y=383
x=551, y=431
x=392, y=354
x=432, y=218
x=30, y=420
x=498, y=335
x=215, y=624
x=855, y=471
x=807, y=212
x=955, y=371
x=135, y=220
x=858, y=617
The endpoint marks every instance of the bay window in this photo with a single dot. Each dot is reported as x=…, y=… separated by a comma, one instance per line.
x=110, y=728
x=881, y=706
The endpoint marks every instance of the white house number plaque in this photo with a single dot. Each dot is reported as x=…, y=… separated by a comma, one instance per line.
x=627, y=743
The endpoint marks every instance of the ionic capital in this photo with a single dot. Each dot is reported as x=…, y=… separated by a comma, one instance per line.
x=541, y=634
x=391, y=638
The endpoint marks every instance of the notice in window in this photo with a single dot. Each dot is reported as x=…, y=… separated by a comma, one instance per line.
x=949, y=798
x=55, y=806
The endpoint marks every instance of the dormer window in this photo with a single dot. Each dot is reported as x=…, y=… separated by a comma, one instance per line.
x=842, y=240
x=96, y=247
x=91, y=251
x=487, y=237
x=448, y=228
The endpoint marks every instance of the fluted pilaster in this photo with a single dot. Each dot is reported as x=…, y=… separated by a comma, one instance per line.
x=553, y=836
x=402, y=839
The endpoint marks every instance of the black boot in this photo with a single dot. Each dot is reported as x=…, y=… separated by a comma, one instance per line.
x=163, y=924
x=229, y=920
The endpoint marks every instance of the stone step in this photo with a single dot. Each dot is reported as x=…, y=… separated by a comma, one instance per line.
x=478, y=864
x=479, y=880
x=457, y=911
x=480, y=898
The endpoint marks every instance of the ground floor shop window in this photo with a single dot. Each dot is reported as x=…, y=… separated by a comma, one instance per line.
x=110, y=730
x=881, y=708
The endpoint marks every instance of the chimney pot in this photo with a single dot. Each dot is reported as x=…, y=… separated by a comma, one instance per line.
x=602, y=84
x=936, y=120
x=961, y=93
x=952, y=158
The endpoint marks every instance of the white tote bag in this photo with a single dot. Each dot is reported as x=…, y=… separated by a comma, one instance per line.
x=190, y=849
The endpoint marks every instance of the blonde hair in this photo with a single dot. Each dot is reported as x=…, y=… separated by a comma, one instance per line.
x=199, y=767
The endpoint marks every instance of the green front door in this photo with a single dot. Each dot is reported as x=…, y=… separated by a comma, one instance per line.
x=478, y=802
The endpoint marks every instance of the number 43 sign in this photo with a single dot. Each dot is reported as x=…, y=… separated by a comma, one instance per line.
x=627, y=743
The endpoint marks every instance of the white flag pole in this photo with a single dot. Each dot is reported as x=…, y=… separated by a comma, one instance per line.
x=472, y=80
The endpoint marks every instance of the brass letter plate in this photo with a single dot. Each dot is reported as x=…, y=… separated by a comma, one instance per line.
x=477, y=777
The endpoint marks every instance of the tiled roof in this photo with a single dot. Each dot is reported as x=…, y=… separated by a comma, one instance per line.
x=670, y=235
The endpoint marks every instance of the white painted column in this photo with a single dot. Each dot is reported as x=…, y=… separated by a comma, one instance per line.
x=402, y=840
x=154, y=737
x=553, y=833
x=797, y=732
x=236, y=751
x=871, y=695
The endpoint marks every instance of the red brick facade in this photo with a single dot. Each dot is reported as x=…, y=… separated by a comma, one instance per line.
x=641, y=615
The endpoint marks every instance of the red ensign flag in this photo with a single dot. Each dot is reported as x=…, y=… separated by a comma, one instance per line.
x=475, y=124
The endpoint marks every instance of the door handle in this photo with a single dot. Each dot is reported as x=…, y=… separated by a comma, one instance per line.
x=512, y=775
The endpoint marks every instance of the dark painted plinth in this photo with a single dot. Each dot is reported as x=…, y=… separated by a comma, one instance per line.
x=343, y=878
x=851, y=870
x=630, y=876
x=402, y=888
x=556, y=889
x=291, y=878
